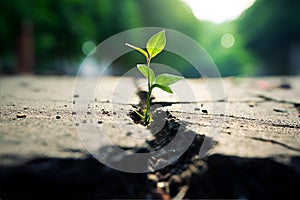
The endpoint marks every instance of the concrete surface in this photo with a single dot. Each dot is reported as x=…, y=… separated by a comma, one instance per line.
x=40, y=117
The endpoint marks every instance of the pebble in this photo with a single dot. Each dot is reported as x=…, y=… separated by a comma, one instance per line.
x=205, y=111
x=129, y=133
x=57, y=117
x=279, y=110
x=285, y=86
x=161, y=185
x=153, y=177
x=21, y=115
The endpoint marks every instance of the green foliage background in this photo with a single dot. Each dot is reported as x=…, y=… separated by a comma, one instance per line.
x=263, y=34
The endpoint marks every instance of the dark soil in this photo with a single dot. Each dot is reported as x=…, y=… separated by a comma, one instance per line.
x=173, y=179
x=216, y=176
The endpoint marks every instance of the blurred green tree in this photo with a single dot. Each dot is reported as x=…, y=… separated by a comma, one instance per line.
x=60, y=27
x=232, y=59
x=271, y=29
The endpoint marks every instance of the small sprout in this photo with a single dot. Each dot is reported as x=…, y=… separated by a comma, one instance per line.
x=154, y=46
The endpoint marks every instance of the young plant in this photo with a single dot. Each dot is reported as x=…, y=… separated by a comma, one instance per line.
x=154, y=46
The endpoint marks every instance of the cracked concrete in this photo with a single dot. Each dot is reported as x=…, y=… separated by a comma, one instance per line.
x=258, y=118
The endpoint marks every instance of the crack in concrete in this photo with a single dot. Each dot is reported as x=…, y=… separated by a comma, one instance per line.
x=275, y=142
x=275, y=100
x=243, y=118
x=296, y=105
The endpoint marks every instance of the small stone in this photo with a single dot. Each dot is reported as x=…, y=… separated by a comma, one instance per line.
x=285, y=86
x=279, y=110
x=76, y=95
x=205, y=111
x=128, y=133
x=105, y=112
x=160, y=185
x=57, y=117
x=197, y=109
x=152, y=177
x=74, y=113
x=21, y=115
x=100, y=122
x=88, y=112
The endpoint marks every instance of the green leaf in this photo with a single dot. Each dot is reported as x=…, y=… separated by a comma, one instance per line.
x=156, y=44
x=140, y=115
x=167, y=79
x=138, y=49
x=163, y=87
x=144, y=70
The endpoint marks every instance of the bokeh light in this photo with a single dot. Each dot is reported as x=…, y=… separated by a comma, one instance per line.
x=89, y=48
x=227, y=40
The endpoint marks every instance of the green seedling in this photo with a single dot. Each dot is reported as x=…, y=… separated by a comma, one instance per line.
x=154, y=46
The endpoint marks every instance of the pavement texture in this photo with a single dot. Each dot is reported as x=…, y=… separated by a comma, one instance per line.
x=247, y=138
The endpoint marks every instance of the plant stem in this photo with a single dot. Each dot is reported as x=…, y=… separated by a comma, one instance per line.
x=146, y=115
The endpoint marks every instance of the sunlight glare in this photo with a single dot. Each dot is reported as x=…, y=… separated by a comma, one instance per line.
x=218, y=11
